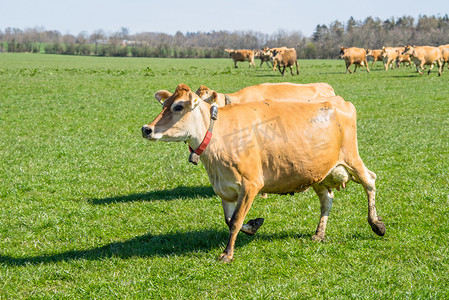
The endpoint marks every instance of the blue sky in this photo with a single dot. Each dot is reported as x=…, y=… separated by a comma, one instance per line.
x=170, y=16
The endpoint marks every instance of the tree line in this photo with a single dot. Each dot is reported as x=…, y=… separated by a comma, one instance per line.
x=324, y=43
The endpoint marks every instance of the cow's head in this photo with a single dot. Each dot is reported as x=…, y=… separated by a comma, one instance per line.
x=342, y=52
x=408, y=50
x=274, y=53
x=229, y=51
x=369, y=52
x=179, y=118
x=207, y=94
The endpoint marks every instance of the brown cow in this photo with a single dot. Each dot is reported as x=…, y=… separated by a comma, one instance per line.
x=286, y=58
x=376, y=54
x=265, y=57
x=241, y=55
x=404, y=59
x=269, y=51
x=268, y=147
x=424, y=55
x=272, y=91
x=390, y=55
x=354, y=55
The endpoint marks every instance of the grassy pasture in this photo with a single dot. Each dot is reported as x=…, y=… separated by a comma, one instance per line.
x=88, y=209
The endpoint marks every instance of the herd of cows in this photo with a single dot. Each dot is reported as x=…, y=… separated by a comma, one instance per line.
x=276, y=138
x=390, y=56
x=286, y=57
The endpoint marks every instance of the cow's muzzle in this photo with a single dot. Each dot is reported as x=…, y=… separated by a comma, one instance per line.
x=147, y=132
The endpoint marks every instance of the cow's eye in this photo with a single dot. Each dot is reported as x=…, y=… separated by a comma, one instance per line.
x=178, y=108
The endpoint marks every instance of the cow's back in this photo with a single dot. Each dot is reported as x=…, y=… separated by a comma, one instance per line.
x=276, y=91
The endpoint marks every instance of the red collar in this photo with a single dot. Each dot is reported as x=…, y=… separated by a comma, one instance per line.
x=203, y=144
x=195, y=154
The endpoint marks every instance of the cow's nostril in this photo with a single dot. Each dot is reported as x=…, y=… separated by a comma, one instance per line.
x=146, y=131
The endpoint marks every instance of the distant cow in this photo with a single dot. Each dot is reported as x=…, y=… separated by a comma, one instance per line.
x=268, y=147
x=286, y=58
x=390, y=55
x=270, y=51
x=265, y=56
x=241, y=55
x=444, y=55
x=403, y=59
x=272, y=91
x=354, y=55
x=376, y=54
x=424, y=55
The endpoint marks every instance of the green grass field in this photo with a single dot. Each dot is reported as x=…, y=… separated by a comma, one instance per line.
x=89, y=209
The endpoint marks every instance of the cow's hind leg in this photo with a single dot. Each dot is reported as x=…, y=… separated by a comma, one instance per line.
x=326, y=197
x=368, y=180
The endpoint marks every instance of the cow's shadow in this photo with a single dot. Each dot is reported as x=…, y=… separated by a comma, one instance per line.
x=176, y=193
x=148, y=245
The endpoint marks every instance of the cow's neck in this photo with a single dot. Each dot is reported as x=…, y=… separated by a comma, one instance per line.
x=202, y=125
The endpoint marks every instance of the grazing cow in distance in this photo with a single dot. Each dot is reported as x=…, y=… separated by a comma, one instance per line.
x=241, y=55
x=354, y=55
x=286, y=58
x=376, y=54
x=390, y=55
x=424, y=55
x=268, y=147
x=272, y=91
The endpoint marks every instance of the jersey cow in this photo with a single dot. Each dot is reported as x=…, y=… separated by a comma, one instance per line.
x=265, y=56
x=354, y=55
x=376, y=54
x=286, y=58
x=390, y=55
x=272, y=91
x=268, y=147
x=241, y=55
x=424, y=55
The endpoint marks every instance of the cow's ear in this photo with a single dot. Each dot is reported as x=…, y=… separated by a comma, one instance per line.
x=214, y=98
x=162, y=95
x=194, y=100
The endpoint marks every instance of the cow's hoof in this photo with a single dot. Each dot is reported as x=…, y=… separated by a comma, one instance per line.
x=378, y=226
x=254, y=226
x=225, y=258
x=318, y=237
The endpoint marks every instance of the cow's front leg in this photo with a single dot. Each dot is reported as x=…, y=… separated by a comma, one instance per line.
x=246, y=196
x=326, y=197
x=418, y=67
x=430, y=69
x=249, y=228
x=348, y=65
